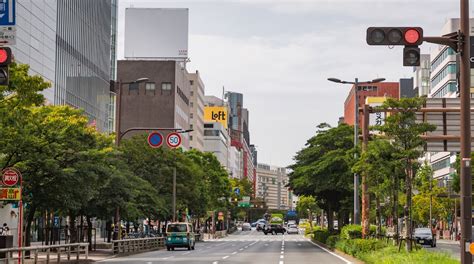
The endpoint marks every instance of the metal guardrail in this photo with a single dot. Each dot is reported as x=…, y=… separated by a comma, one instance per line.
x=68, y=250
x=137, y=245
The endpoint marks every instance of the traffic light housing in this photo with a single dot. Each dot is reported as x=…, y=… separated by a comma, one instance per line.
x=5, y=60
x=395, y=36
x=410, y=37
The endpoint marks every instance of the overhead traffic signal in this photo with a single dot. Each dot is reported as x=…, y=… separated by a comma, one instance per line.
x=410, y=37
x=391, y=36
x=5, y=60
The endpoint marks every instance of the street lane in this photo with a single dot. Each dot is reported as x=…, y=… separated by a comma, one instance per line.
x=242, y=247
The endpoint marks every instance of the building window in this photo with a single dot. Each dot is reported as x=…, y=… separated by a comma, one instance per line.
x=191, y=82
x=273, y=180
x=191, y=126
x=191, y=115
x=150, y=86
x=208, y=125
x=166, y=86
x=191, y=104
x=191, y=138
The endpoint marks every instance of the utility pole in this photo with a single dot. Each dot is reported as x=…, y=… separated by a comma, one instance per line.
x=465, y=94
x=356, y=139
x=174, y=194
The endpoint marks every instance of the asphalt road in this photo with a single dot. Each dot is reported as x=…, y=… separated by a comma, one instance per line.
x=241, y=248
x=451, y=247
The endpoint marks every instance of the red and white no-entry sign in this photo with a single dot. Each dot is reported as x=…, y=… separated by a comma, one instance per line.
x=173, y=140
x=10, y=177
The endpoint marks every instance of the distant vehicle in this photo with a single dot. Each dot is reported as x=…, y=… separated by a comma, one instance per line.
x=291, y=222
x=254, y=224
x=274, y=229
x=246, y=227
x=292, y=229
x=179, y=234
x=424, y=236
x=261, y=223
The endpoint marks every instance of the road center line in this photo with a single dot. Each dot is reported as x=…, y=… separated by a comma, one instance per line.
x=235, y=252
x=281, y=256
x=225, y=257
x=281, y=262
x=241, y=249
x=215, y=262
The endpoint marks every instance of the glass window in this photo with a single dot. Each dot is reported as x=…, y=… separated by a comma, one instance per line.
x=191, y=104
x=191, y=82
x=166, y=86
x=150, y=86
x=273, y=180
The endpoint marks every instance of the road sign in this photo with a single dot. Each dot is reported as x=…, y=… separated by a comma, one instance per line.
x=7, y=13
x=12, y=194
x=10, y=176
x=237, y=190
x=155, y=140
x=7, y=35
x=173, y=140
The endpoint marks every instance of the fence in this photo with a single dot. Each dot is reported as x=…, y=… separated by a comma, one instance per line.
x=136, y=245
x=53, y=251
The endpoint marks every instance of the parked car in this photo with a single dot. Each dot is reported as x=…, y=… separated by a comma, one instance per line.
x=246, y=227
x=274, y=229
x=292, y=229
x=179, y=234
x=261, y=225
x=424, y=236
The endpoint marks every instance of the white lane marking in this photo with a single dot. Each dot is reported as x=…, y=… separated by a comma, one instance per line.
x=241, y=249
x=225, y=257
x=299, y=244
x=215, y=262
x=186, y=253
x=281, y=256
x=282, y=252
x=149, y=262
x=281, y=262
x=335, y=255
x=266, y=245
x=235, y=252
x=168, y=257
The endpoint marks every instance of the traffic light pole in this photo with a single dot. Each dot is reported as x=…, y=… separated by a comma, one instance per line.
x=465, y=94
x=356, y=139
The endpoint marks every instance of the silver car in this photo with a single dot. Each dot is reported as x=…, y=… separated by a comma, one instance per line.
x=246, y=227
x=292, y=229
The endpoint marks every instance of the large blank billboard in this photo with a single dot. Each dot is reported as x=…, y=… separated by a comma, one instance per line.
x=156, y=33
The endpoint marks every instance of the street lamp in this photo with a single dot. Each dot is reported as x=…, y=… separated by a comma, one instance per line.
x=356, y=84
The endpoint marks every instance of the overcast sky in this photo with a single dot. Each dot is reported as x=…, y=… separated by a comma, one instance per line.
x=279, y=54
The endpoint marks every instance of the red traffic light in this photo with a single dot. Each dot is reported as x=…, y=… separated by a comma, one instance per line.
x=5, y=56
x=412, y=36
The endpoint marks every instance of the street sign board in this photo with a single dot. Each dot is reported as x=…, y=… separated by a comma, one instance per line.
x=173, y=140
x=10, y=176
x=7, y=35
x=12, y=194
x=7, y=13
x=155, y=139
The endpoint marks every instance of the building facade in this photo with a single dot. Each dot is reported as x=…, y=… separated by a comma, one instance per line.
x=387, y=89
x=83, y=57
x=162, y=101
x=271, y=186
x=216, y=141
x=196, y=114
x=421, y=76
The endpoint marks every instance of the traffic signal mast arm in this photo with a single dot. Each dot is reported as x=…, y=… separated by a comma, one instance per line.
x=453, y=40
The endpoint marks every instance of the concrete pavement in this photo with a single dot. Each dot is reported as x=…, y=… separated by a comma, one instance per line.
x=242, y=247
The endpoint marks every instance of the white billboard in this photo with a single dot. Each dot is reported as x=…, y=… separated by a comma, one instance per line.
x=156, y=33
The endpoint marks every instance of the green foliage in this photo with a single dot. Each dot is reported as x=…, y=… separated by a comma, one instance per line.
x=357, y=247
x=322, y=168
x=351, y=232
x=321, y=235
x=332, y=240
x=390, y=255
x=305, y=203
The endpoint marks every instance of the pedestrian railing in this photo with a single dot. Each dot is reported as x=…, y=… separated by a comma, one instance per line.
x=136, y=245
x=45, y=254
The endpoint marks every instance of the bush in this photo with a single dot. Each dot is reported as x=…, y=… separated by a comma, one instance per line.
x=321, y=235
x=351, y=232
x=356, y=247
x=390, y=255
x=373, y=230
x=332, y=240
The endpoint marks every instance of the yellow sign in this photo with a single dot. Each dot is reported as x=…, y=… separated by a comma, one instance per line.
x=471, y=248
x=10, y=194
x=216, y=114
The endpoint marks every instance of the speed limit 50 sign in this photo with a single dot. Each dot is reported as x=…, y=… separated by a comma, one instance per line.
x=173, y=140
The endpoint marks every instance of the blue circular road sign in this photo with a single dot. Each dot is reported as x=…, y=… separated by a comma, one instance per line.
x=155, y=140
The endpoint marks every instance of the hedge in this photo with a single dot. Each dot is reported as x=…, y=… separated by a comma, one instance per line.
x=358, y=246
x=355, y=231
x=331, y=241
x=321, y=235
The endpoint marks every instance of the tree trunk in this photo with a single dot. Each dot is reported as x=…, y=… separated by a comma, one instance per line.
x=29, y=220
x=408, y=207
x=365, y=207
x=89, y=231
x=330, y=213
x=379, y=216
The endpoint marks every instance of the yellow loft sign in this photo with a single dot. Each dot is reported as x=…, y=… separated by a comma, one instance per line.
x=216, y=114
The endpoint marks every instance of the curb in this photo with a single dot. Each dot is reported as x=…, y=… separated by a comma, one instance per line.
x=348, y=258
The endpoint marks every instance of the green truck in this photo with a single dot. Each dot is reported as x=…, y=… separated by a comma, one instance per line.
x=275, y=225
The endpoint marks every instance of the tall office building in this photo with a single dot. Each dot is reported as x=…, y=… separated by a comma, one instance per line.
x=74, y=49
x=83, y=57
x=196, y=114
x=36, y=39
x=271, y=186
